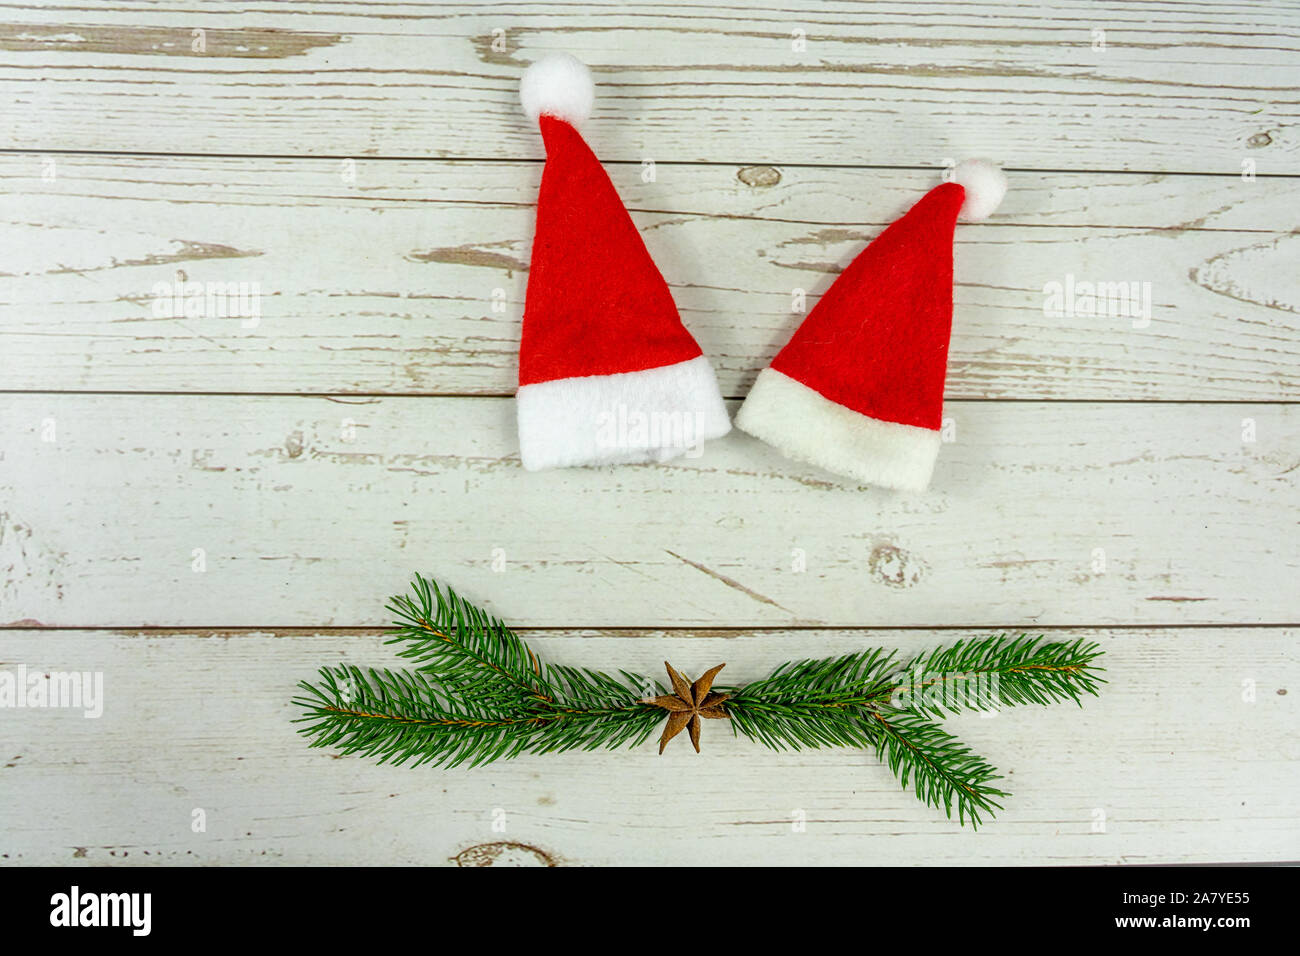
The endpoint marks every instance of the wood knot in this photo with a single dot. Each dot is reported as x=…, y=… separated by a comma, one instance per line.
x=894, y=567
x=503, y=854
x=759, y=175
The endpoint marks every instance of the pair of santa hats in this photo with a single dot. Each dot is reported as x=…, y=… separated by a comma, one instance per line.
x=609, y=375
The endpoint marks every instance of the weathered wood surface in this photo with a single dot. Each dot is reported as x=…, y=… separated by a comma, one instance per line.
x=1189, y=755
x=367, y=165
x=1138, y=86
x=306, y=510
x=406, y=277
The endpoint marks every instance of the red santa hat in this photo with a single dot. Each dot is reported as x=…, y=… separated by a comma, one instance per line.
x=858, y=390
x=607, y=372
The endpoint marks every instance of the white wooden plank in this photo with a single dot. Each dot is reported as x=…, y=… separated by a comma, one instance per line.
x=409, y=277
x=1148, y=86
x=305, y=511
x=1189, y=755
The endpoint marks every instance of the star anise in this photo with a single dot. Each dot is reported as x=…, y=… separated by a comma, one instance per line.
x=689, y=704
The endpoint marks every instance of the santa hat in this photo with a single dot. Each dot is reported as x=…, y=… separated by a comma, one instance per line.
x=858, y=390
x=607, y=372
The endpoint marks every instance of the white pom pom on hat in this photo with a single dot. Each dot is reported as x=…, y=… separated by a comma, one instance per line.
x=985, y=186
x=558, y=85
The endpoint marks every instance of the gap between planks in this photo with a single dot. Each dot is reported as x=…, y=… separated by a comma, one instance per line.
x=666, y=630
x=479, y=160
x=348, y=398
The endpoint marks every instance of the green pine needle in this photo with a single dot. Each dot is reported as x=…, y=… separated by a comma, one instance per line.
x=981, y=674
x=478, y=693
x=942, y=769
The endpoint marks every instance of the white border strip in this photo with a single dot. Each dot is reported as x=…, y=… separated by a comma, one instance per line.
x=631, y=417
x=805, y=425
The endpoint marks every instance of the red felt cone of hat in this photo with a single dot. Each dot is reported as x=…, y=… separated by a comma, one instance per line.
x=607, y=372
x=858, y=390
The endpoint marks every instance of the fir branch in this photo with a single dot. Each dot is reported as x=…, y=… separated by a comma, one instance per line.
x=867, y=700
x=941, y=768
x=844, y=702
x=479, y=694
x=465, y=646
x=981, y=674
x=814, y=703
x=405, y=715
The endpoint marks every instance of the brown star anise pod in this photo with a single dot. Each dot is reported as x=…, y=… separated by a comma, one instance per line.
x=689, y=704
